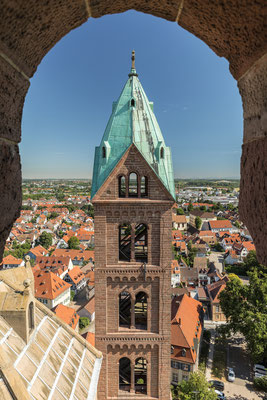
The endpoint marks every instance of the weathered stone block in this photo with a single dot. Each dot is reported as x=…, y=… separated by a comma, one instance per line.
x=167, y=9
x=253, y=90
x=253, y=194
x=13, y=89
x=29, y=29
x=10, y=189
x=232, y=29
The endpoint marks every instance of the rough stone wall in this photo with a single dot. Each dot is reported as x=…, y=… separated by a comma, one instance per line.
x=253, y=184
x=233, y=29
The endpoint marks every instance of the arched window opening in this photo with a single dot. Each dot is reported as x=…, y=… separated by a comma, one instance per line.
x=133, y=185
x=125, y=310
x=31, y=316
x=132, y=103
x=140, y=375
x=125, y=374
x=140, y=311
x=162, y=152
x=125, y=242
x=140, y=243
x=144, y=186
x=103, y=152
x=122, y=186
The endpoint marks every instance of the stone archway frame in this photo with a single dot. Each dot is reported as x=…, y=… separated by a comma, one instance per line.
x=233, y=29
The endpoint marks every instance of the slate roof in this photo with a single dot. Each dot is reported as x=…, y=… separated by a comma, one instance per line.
x=133, y=124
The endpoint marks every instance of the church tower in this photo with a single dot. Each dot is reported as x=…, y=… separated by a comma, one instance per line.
x=133, y=192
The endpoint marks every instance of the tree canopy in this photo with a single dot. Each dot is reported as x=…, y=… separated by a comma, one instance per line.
x=245, y=307
x=45, y=240
x=179, y=211
x=74, y=243
x=198, y=222
x=197, y=387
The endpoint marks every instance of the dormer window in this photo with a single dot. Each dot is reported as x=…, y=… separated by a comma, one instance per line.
x=183, y=352
x=104, y=152
x=162, y=152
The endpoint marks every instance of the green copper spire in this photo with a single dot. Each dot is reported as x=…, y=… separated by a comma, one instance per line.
x=133, y=121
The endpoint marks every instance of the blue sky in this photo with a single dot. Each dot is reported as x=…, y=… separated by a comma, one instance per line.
x=196, y=100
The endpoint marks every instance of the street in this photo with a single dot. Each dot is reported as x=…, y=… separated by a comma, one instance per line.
x=237, y=358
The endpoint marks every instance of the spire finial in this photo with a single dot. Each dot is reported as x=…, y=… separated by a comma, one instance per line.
x=133, y=71
x=133, y=59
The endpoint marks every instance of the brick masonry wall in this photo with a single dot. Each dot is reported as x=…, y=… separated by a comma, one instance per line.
x=114, y=276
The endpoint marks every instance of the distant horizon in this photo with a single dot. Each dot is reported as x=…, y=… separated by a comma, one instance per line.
x=175, y=178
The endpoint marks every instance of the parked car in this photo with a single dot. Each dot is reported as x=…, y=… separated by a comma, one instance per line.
x=231, y=375
x=260, y=369
x=219, y=385
x=220, y=395
x=258, y=375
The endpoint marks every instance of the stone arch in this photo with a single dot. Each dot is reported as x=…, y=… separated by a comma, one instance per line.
x=233, y=29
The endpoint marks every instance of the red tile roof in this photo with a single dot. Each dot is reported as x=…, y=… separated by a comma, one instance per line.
x=220, y=224
x=186, y=313
x=75, y=254
x=48, y=285
x=12, y=260
x=249, y=246
x=76, y=274
x=67, y=314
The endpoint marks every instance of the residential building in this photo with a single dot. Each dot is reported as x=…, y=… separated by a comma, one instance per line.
x=68, y=315
x=37, y=251
x=208, y=237
x=78, y=257
x=205, y=217
x=221, y=226
x=213, y=290
x=88, y=310
x=186, y=333
x=50, y=289
x=11, y=262
x=58, y=265
x=179, y=222
x=76, y=278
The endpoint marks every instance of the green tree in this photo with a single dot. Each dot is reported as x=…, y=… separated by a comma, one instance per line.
x=61, y=234
x=197, y=387
x=179, y=211
x=52, y=215
x=198, y=222
x=74, y=243
x=190, y=206
x=45, y=240
x=89, y=210
x=245, y=308
x=60, y=196
x=203, y=208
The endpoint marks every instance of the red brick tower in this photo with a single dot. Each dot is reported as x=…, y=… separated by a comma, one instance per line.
x=133, y=192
